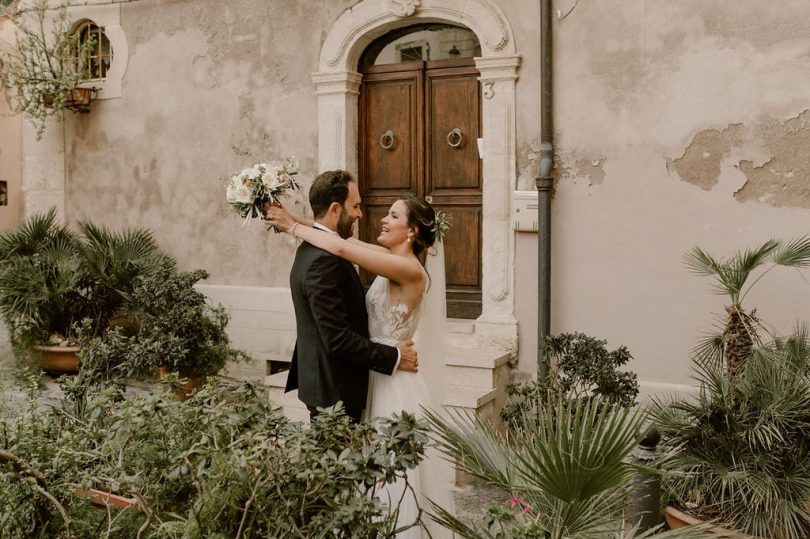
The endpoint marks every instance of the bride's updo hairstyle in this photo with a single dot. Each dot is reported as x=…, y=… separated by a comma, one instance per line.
x=422, y=216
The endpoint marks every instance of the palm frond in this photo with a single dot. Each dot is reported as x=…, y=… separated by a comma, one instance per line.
x=700, y=262
x=36, y=233
x=709, y=349
x=477, y=447
x=739, y=268
x=573, y=442
x=795, y=254
x=750, y=259
x=571, y=465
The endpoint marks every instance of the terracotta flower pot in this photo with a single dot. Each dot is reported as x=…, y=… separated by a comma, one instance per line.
x=59, y=359
x=100, y=498
x=678, y=519
x=185, y=386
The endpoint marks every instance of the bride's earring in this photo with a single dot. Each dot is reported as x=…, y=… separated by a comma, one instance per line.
x=410, y=238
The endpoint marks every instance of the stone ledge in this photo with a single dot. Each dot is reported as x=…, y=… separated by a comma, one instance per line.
x=480, y=359
x=469, y=397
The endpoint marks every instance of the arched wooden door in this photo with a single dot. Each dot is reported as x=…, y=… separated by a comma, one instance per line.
x=419, y=126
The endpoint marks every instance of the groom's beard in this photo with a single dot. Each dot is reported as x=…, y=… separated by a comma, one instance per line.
x=345, y=225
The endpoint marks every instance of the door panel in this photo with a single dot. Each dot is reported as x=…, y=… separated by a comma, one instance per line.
x=453, y=179
x=463, y=266
x=390, y=100
x=421, y=104
x=391, y=133
x=452, y=156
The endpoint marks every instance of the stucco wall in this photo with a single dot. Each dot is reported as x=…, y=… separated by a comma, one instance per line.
x=210, y=87
x=678, y=124
x=10, y=145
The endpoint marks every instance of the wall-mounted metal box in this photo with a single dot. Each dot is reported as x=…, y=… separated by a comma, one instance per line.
x=524, y=211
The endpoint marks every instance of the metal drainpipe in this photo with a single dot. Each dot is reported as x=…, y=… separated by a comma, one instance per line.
x=544, y=185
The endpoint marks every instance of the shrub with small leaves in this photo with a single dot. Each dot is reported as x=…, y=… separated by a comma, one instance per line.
x=224, y=463
x=174, y=327
x=580, y=368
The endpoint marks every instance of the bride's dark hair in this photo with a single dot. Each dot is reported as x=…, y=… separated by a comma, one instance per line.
x=422, y=216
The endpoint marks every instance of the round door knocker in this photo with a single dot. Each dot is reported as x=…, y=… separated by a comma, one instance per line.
x=387, y=140
x=455, y=138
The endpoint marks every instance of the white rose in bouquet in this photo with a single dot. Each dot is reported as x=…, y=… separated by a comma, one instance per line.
x=272, y=180
x=251, y=189
x=240, y=194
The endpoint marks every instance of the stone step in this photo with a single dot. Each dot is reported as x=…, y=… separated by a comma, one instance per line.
x=294, y=409
x=477, y=368
x=456, y=396
x=468, y=397
x=461, y=326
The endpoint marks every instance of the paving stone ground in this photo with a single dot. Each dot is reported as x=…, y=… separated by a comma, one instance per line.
x=471, y=500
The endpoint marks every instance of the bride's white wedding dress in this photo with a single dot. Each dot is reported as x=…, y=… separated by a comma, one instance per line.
x=390, y=324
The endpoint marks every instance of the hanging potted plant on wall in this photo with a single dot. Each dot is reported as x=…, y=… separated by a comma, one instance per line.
x=44, y=75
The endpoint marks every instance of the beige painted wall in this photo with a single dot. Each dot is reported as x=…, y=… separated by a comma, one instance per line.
x=678, y=124
x=210, y=87
x=10, y=146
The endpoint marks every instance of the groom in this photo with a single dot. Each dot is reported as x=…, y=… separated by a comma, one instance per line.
x=333, y=354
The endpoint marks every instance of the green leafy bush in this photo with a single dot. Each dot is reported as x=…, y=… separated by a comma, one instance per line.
x=581, y=368
x=172, y=326
x=224, y=463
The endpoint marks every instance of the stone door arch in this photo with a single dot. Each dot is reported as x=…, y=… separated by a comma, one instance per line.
x=337, y=87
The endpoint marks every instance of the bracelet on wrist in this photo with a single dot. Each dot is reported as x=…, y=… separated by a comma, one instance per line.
x=292, y=229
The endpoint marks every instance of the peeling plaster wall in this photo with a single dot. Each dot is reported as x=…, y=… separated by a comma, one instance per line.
x=678, y=124
x=210, y=87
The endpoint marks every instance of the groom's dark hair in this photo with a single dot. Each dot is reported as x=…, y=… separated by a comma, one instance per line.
x=330, y=186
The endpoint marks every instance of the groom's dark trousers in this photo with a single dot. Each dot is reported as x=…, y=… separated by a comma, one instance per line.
x=333, y=354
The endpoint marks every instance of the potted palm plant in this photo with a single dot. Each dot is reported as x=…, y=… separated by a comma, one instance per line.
x=742, y=454
x=42, y=290
x=52, y=280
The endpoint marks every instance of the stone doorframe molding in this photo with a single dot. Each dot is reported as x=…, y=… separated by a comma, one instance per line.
x=337, y=86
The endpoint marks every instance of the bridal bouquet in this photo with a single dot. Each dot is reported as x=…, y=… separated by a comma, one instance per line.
x=252, y=188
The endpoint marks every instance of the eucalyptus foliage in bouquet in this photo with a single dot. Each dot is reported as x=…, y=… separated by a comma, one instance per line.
x=253, y=188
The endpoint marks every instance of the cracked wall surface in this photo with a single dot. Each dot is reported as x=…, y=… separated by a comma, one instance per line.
x=211, y=87
x=700, y=163
x=676, y=124
x=782, y=180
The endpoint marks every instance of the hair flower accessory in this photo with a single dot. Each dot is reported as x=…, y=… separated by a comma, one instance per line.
x=251, y=189
x=441, y=225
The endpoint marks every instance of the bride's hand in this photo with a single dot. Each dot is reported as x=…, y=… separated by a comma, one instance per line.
x=277, y=216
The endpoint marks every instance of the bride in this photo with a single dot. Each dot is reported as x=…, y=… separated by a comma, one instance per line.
x=404, y=297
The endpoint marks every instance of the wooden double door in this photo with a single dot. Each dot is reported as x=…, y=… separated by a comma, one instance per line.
x=419, y=127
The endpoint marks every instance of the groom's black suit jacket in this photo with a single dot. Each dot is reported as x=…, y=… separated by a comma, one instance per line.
x=332, y=354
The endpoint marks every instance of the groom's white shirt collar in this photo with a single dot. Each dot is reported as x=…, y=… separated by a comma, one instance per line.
x=325, y=229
